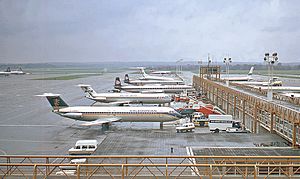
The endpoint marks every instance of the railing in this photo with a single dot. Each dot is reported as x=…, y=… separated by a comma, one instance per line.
x=150, y=166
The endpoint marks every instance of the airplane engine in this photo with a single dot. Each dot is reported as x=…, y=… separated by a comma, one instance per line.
x=73, y=115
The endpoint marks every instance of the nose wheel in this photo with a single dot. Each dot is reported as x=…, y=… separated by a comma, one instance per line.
x=105, y=126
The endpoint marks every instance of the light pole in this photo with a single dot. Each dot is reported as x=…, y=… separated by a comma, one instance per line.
x=178, y=66
x=270, y=60
x=208, y=62
x=227, y=61
x=200, y=63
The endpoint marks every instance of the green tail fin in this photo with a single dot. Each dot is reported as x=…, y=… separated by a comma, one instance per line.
x=55, y=100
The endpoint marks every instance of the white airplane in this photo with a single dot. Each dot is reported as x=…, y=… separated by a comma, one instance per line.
x=146, y=82
x=150, y=77
x=152, y=88
x=16, y=72
x=280, y=88
x=161, y=72
x=274, y=82
x=125, y=98
x=242, y=78
x=96, y=115
x=6, y=72
x=293, y=95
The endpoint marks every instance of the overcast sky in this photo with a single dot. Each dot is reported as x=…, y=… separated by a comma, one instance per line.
x=149, y=30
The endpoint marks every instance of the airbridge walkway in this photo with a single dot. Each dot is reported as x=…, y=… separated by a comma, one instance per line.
x=252, y=109
x=150, y=167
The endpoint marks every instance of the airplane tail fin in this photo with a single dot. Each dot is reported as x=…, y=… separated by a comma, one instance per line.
x=126, y=79
x=251, y=71
x=144, y=74
x=88, y=90
x=118, y=83
x=55, y=100
x=8, y=69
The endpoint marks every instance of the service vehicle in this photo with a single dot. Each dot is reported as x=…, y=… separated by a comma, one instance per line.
x=186, y=127
x=84, y=147
x=222, y=122
x=199, y=119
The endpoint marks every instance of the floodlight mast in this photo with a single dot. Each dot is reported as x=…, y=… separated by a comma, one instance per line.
x=227, y=61
x=270, y=61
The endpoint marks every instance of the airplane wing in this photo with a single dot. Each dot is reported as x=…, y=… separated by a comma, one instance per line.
x=101, y=121
x=153, y=91
x=117, y=103
x=96, y=98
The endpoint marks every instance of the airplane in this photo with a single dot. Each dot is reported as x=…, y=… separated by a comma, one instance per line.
x=99, y=115
x=274, y=82
x=152, y=88
x=145, y=82
x=6, y=72
x=125, y=98
x=150, y=77
x=242, y=78
x=17, y=72
x=161, y=72
x=292, y=95
x=280, y=88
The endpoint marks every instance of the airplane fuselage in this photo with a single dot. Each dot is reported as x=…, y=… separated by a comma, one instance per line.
x=146, y=82
x=239, y=79
x=165, y=88
x=127, y=114
x=132, y=98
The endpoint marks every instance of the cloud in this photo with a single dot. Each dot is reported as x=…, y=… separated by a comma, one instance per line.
x=62, y=30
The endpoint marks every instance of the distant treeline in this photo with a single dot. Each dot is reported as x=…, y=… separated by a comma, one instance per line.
x=192, y=65
x=189, y=67
x=28, y=65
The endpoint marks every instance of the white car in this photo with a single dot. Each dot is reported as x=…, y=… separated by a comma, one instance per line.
x=186, y=127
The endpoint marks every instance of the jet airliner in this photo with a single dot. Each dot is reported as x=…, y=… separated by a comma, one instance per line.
x=151, y=77
x=96, y=115
x=147, y=82
x=125, y=98
x=242, y=78
x=152, y=88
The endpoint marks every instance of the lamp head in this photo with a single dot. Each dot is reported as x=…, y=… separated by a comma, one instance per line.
x=267, y=54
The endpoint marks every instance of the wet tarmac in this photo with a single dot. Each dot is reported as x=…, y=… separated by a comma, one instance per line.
x=27, y=125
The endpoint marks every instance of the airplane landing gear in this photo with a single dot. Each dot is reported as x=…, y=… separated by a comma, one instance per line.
x=105, y=126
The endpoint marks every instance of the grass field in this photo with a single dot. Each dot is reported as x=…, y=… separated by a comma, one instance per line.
x=72, y=70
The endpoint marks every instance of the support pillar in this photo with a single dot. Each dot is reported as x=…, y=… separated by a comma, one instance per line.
x=227, y=104
x=255, y=119
x=244, y=112
x=217, y=100
x=272, y=123
x=294, y=142
x=234, y=106
x=161, y=125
